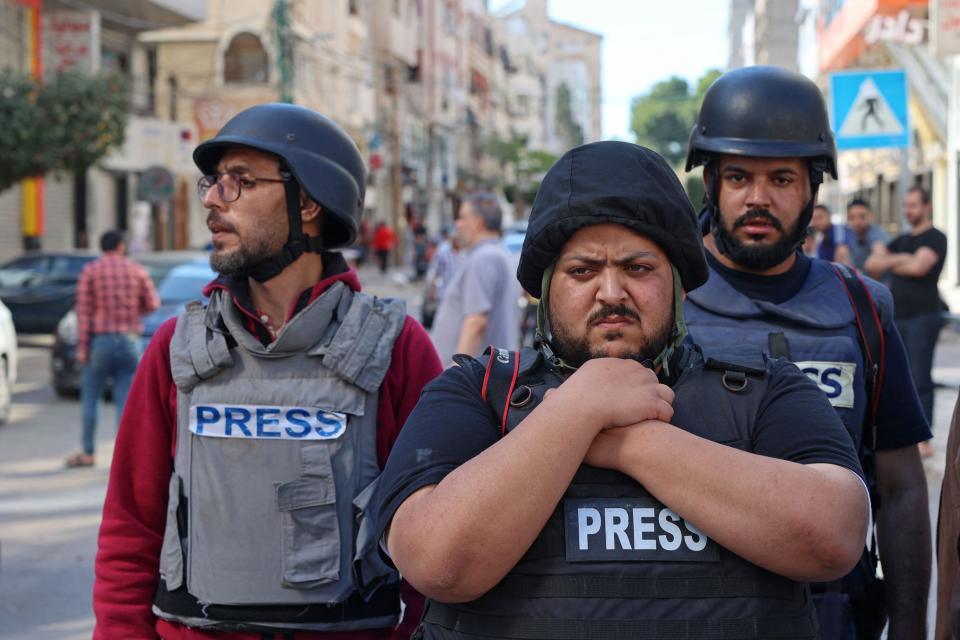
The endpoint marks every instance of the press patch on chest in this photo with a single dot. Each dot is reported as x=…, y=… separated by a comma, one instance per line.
x=631, y=529
x=835, y=379
x=265, y=422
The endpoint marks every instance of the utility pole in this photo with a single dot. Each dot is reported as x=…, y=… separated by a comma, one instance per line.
x=284, y=50
x=953, y=171
x=428, y=200
x=396, y=160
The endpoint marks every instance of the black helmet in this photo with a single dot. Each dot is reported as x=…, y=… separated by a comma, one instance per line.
x=320, y=156
x=767, y=112
x=615, y=182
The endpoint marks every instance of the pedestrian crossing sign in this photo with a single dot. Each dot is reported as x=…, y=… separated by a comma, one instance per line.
x=869, y=109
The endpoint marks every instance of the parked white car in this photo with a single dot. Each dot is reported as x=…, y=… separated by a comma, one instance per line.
x=8, y=362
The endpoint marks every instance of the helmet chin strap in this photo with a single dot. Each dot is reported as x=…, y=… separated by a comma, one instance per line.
x=543, y=341
x=297, y=243
x=679, y=330
x=712, y=198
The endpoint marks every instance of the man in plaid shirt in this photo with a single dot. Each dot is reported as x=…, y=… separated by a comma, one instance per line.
x=113, y=295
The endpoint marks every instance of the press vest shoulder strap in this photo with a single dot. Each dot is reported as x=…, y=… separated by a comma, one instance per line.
x=515, y=382
x=872, y=342
x=197, y=351
x=368, y=330
x=504, y=386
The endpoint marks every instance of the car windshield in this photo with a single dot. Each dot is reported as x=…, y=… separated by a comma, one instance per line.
x=181, y=286
x=66, y=268
x=29, y=271
x=158, y=270
x=19, y=272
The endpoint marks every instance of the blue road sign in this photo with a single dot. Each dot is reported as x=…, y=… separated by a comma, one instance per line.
x=869, y=109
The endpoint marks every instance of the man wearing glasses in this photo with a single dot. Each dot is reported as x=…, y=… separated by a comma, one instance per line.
x=237, y=498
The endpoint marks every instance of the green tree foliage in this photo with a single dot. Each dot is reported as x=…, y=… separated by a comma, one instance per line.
x=695, y=191
x=20, y=154
x=527, y=166
x=567, y=127
x=66, y=124
x=661, y=119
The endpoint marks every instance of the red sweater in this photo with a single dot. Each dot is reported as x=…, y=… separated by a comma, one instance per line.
x=134, y=512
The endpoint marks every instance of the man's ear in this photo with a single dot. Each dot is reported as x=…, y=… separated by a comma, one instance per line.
x=310, y=211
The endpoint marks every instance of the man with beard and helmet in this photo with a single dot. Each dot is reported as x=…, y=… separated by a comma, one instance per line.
x=615, y=482
x=238, y=499
x=764, y=140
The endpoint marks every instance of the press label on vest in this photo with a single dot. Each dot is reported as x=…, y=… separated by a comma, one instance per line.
x=631, y=529
x=266, y=422
x=834, y=378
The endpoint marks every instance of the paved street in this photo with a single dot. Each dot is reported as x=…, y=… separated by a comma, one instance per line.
x=49, y=516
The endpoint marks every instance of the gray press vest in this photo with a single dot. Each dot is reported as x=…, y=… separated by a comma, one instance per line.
x=278, y=469
x=588, y=574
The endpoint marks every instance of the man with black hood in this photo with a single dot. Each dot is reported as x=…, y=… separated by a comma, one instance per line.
x=615, y=482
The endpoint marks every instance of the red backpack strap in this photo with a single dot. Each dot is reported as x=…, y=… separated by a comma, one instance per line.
x=499, y=381
x=872, y=341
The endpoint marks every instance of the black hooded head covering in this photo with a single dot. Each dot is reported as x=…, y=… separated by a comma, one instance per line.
x=616, y=182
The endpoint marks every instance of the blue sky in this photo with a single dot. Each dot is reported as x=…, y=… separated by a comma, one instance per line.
x=645, y=41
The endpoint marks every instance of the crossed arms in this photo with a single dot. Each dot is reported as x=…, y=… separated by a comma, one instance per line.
x=456, y=539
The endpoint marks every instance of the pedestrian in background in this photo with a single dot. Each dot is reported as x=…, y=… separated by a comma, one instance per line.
x=480, y=305
x=831, y=239
x=113, y=295
x=763, y=136
x=809, y=247
x=948, y=538
x=914, y=261
x=363, y=243
x=443, y=264
x=384, y=240
x=421, y=251
x=865, y=236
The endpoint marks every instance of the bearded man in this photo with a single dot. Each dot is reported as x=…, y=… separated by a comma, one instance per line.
x=617, y=482
x=764, y=140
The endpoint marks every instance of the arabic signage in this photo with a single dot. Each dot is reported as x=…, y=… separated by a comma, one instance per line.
x=71, y=41
x=945, y=27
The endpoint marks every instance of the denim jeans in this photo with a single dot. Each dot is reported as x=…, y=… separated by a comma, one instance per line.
x=920, y=333
x=112, y=355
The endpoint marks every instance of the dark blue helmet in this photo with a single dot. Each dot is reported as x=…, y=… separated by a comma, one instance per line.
x=321, y=156
x=767, y=112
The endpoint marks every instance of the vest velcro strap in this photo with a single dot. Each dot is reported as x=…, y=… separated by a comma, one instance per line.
x=633, y=587
x=370, y=325
x=579, y=629
x=180, y=604
x=203, y=352
x=778, y=345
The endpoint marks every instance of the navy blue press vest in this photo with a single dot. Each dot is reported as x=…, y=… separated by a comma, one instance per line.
x=815, y=329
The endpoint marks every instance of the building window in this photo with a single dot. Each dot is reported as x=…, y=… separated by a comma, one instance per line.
x=245, y=60
x=449, y=18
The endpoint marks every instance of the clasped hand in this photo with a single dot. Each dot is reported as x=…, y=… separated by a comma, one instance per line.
x=614, y=395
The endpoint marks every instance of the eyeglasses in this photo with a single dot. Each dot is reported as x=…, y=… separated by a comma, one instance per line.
x=230, y=184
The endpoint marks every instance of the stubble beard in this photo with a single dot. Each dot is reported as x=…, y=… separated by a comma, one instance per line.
x=251, y=251
x=575, y=350
x=757, y=256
